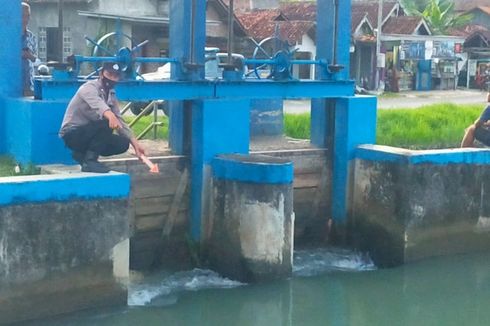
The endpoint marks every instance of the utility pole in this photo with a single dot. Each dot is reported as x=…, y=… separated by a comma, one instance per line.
x=378, y=45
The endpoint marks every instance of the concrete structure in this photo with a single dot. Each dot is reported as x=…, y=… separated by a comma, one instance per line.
x=250, y=233
x=409, y=205
x=64, y=244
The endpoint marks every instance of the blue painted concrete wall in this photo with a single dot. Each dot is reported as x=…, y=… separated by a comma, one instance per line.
x=45, y=188
x=266, y=117
x=355, y=124
x=10, y=34
x=477, y=156
x=31, y=130
x=255, y=169
x=3, y=144
x=218, y=127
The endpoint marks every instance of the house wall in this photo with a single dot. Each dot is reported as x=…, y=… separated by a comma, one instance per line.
x=307, y=45
x=128, y=7
x=46, y=15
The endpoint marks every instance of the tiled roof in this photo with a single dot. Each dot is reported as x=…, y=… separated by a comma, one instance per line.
x=371, y=9
x=467, y=30
x=356, y=20
x=304, y=10
x=261, y=24
x=402, y=25
x=466, y=5
x=485, y=9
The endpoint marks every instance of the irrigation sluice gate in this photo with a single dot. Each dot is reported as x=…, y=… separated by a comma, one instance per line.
x=209, y=119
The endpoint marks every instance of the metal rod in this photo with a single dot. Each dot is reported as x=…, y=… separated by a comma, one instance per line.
x=378, y=43
x=126, y=108
x=230, y=32
x=60, y=29
x=335, y=29
x=142, y=113
x=192, y=33
x=155, y=119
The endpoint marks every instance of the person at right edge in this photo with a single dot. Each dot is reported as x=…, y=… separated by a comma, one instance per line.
x=479, y=130
x=90, y=120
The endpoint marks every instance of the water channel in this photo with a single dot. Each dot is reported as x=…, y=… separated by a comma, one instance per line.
x=329, y=287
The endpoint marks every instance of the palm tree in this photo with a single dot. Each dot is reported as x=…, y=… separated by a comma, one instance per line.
x=439, y=14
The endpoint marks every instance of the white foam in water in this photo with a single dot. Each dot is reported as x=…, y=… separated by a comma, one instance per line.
x=309, y=262
x=319, y=261
x=162, y=293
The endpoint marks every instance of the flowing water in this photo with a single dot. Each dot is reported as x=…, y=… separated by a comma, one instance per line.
x=329, y=287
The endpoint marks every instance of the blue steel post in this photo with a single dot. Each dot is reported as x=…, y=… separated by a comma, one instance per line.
x=10, y=61
x=187, y=42
x=355, y=124
x=218, y=127
x=187, y=38
x=332, y=45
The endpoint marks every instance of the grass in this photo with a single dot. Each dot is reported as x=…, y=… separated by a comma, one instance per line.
x=432, y=126
x=297, y=125
x=7, y=168
x=162, y=132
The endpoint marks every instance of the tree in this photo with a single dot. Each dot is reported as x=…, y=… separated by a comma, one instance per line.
x=439, y=14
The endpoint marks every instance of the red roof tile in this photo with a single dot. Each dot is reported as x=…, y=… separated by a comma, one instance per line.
x=371, y=9
x=402, y=25
x=304, y=10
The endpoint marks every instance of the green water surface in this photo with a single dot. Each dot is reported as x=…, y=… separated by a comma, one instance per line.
x=441, y=291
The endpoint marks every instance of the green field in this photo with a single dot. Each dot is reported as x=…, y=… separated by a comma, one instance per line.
x=432, y=126
x=429, y=127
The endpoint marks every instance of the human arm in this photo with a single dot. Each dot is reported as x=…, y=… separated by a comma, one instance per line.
x=484, y=117
x=29, y=50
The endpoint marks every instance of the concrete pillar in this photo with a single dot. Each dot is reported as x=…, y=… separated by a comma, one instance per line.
x=218, y=127
x=355, y=124
x=251, y=229
x=10, y=61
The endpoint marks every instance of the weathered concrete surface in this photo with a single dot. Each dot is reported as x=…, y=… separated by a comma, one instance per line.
x=57, y=256
x=409, y=205
x=250, y=231
x=251, y=237
x=152, y=196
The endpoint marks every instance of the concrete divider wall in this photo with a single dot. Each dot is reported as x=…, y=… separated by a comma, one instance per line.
x=64, y=244
x=408, y=205
x=152, y=196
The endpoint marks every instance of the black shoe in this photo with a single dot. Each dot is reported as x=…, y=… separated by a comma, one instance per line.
x=94, y=166
x=78, y=156
x=91, y=163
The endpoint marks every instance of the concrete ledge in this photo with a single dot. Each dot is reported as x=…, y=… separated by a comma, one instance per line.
x=435, y=156
x=408, y=205
x=43, y=188
x=253, y=168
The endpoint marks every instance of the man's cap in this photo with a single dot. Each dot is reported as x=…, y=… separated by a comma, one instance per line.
x=112, y=67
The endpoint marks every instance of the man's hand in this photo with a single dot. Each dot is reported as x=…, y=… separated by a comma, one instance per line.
x=113, y=120
x=138, y=149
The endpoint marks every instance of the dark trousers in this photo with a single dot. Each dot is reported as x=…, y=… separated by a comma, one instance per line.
x=482, y=134
x=96, y=137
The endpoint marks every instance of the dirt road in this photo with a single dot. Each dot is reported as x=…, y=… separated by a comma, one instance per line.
x=407, y=100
